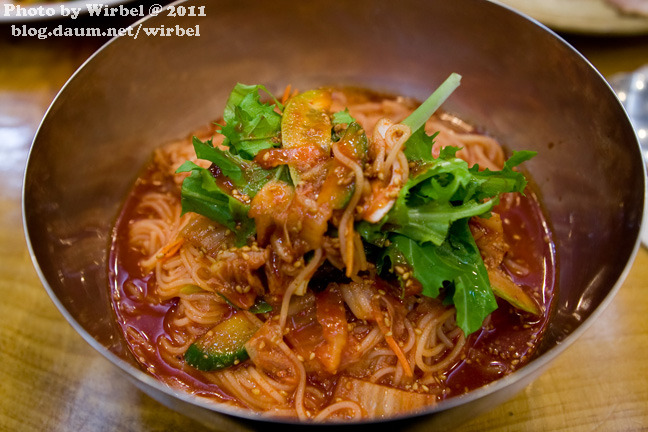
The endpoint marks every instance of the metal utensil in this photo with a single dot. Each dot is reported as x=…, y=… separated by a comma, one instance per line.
x=632, y=90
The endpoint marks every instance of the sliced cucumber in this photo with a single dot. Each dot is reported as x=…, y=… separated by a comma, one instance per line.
x=506, y=289
x=306, y=122
x=223, y=345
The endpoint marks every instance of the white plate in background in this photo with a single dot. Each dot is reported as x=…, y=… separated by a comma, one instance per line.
x=581, y=16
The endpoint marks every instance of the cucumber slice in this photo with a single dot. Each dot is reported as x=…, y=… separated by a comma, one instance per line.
x=305, y=122
x=223, y=345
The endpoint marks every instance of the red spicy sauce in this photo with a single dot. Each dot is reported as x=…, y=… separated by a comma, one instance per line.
x=506, y=342
x=141, y=316
x=510, y=337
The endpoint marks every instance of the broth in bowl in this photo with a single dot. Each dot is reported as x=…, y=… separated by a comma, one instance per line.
x=333, y=254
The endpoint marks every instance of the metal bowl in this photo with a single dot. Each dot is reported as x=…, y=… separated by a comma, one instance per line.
x=521, y=82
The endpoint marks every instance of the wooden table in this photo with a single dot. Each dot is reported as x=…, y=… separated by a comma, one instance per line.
x=50, y=379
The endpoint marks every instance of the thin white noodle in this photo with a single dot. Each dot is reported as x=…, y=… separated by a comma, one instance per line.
x=380, y=373
x=395, y=138
x=339, y=406
x=345, y=229
x=434, y=346
x=301, y=278
x=371, y=340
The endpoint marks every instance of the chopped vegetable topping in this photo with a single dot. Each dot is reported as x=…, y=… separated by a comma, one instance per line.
x=423, y=229
x=223, y=345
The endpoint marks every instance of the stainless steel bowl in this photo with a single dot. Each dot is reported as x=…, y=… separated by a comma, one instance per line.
x=521, y=82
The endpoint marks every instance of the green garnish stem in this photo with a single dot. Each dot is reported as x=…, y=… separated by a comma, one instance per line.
x=420, y=115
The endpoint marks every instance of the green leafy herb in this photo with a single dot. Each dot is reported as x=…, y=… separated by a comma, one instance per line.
x=454, y=270
x=250, y=125
x=443, y=191
x=340, y=120
x=342, y=117
x=418, y=147
x=427, y=228
x=228, y=163
x=201, y=194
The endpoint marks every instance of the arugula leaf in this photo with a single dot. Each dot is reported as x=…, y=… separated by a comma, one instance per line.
x=446, y=190
x=418, y=146
x=227, y=163
x=427, y=228
x=201, y=194
x=250, y=125
x=454, y=269
x=506, y=179
x=431, y=222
